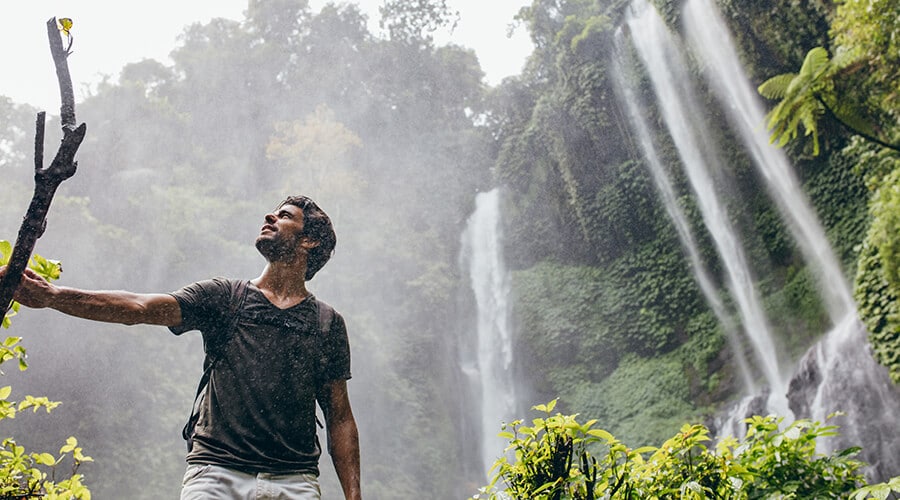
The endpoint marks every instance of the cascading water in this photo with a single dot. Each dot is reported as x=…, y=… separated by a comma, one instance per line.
x=488, y=366
x=658, y=50
x=838, y=373
x=670, y=201
x=712, y=41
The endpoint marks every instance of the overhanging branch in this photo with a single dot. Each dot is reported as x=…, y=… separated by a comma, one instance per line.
x=46, y=180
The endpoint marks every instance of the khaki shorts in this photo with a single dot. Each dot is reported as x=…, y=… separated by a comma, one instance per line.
x=211, y=482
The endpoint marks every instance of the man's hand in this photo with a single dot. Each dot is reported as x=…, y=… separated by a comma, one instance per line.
x=34, y=291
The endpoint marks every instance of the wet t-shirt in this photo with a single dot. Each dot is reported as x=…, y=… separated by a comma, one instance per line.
x=258, y=410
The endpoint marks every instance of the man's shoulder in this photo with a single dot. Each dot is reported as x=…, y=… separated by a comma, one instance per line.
x=326, y=308
x=330, y=320
x=214, y=289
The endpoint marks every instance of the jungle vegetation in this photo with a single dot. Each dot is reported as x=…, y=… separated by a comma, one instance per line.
x=393, y=135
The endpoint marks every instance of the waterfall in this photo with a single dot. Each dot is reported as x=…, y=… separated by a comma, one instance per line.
x=488, y=364
x=712, y=40
x=838, y=373
x=669, y=197
x=665, y=64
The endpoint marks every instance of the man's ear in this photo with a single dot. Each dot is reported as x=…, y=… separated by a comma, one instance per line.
x=308, y=243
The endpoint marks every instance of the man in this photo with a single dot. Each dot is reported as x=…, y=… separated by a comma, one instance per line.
x=255, y=429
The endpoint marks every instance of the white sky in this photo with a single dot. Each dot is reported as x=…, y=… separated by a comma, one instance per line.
x=111, y=33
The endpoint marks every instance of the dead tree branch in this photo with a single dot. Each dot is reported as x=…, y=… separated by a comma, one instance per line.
x=46, y=180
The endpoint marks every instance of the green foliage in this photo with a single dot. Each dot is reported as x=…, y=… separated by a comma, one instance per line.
x=858, y=86
x=49, y=269
x=879, y=491
x=800, y=311
x=839, y=192
x=774, y=36
x=416, y=21
x=884, y=232
x=33, y=474
x=800, y=97
x=582, y=329
x=870, y=32
x=784, y=461
x=879, y=308
x=877, y=281
x=644, y=398
x=557, y=458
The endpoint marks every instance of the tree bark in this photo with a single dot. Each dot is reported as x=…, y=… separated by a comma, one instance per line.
x=46, y=180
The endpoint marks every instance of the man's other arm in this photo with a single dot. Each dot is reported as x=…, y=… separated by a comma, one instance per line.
x=122, y=307
x=343, y=437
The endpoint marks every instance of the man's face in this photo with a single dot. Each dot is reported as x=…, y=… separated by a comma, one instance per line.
x=281, y=236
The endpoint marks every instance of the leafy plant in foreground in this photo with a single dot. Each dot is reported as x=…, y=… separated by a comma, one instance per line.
x=23, y=474
x=558, y=458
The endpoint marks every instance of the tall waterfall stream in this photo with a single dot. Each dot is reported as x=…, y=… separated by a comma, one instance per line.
x=489, y=366
x=836, y=374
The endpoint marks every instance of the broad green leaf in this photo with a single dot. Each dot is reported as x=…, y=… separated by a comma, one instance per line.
x=5, y=252
x=70, y=445
x=45, y=459
x=49, y=269
x=600, y=433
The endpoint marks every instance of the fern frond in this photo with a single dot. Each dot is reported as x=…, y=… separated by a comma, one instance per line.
x=814, y=65
x=777, y=86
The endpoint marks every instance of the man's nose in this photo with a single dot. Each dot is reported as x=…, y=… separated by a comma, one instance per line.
x=270, y=218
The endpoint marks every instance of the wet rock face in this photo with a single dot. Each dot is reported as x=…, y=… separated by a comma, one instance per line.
x=838, y=382
x=839, y=375
x=804, y=385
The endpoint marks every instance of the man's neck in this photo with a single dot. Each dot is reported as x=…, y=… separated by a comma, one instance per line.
x=283, y=283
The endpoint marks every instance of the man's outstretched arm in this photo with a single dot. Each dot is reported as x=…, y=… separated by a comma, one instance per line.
x=343, y=437
x=110, y=306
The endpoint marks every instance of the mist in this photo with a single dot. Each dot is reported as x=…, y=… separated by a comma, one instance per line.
x=181, y=164
x=395, y=136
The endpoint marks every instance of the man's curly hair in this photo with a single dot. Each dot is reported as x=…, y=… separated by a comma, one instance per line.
x=317, y=226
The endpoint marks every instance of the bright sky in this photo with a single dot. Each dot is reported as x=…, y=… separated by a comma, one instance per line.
x=111, y=33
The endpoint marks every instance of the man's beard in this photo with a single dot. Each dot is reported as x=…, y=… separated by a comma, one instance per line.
x=277, y=248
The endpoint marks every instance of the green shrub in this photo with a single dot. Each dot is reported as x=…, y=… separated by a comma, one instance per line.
x=26, y=474
x=559, y=458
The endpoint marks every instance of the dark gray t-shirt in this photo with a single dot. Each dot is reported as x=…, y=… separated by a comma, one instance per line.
x=258, y=411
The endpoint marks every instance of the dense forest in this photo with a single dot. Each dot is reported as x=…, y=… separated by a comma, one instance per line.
x=394, y=135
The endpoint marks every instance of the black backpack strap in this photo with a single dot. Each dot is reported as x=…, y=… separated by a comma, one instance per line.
x=326, y=315
x=213, y=353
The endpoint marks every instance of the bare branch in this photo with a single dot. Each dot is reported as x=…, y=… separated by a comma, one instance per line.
x=66, y=94
x=46, y=181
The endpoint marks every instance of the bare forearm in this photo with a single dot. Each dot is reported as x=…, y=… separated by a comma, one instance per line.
x=344, y=448
x=116, y=306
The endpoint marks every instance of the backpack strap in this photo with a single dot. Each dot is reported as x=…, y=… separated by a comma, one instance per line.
x=213, y=352
x=326, y=315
